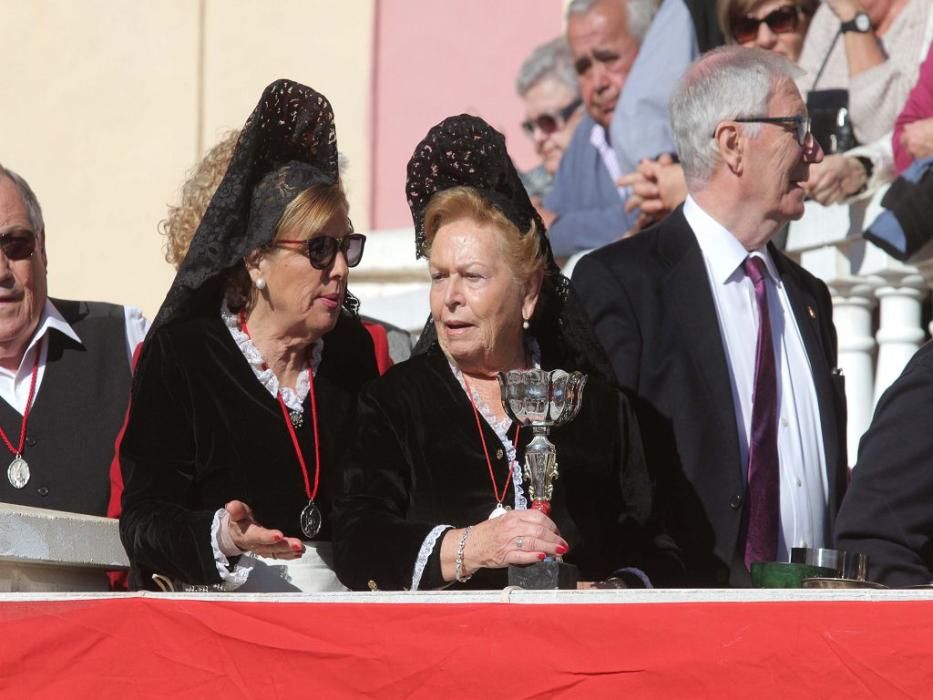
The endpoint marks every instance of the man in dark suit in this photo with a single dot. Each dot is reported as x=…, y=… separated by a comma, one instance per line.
x=886, y=513
x=742, y=421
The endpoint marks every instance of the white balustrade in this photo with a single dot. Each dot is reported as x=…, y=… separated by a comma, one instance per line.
x=49, y=550
x=861, y=277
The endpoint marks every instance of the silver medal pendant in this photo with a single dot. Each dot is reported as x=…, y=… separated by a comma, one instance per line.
x=297, y=418
x=311, y=520
x=499, y=511
x=18, y=472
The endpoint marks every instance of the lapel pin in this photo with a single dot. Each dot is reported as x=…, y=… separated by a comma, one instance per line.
x=811, y=311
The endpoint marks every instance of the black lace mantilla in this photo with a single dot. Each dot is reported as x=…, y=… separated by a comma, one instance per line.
x=288, y=144
x=464, y=151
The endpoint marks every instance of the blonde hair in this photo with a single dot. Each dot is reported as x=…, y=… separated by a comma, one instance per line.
x=522, y=250
x=311, y=210
x=183, y=220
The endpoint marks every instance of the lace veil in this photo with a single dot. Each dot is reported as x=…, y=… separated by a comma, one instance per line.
x=466, y=151
x=288, y=144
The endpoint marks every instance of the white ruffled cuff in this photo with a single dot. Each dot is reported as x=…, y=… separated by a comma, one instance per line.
x=427, y=547
x=232, y=579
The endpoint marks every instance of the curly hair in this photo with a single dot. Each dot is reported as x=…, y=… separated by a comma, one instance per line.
x=196, y=193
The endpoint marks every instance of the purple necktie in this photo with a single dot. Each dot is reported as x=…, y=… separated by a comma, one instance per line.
x=764, y=495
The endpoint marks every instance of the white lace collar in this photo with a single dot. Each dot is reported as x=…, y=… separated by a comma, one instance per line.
x=293, y=398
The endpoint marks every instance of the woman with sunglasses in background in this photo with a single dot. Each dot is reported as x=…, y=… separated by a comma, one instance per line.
x=870, y=52
x=246, y=385
x=775, y=25
x=547, y=83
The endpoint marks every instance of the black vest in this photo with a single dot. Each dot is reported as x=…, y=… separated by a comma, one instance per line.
x=75, y=415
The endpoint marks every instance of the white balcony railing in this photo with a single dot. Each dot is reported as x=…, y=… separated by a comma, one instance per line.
x=48, y=550
x=877, y=301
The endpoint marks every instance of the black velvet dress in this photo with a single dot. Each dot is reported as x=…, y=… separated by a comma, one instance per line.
x=418, y=462
x=203, y=430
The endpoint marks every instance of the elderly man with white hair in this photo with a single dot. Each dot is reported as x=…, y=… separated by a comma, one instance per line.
x=64, y=372
x=586, y=208
x=728, y=346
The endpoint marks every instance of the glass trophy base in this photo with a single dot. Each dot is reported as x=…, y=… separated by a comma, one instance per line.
x=549, y=574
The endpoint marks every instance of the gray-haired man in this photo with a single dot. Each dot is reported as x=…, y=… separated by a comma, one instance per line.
x=64, y=372
x=729, y=346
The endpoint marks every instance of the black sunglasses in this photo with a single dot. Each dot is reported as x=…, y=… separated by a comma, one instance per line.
x=18, y=245
x=549, y=123
x=801, y=125
x=780, y=21
x=321, y=250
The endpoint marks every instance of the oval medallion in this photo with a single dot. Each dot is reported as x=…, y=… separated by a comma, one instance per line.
x=499, y=511
x=18, y=472
x=311, y=520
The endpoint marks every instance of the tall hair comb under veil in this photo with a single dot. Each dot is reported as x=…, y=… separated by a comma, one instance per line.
x=464, y=151
x=288, y=144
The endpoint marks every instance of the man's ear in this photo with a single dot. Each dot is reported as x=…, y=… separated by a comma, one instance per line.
x=731, y=145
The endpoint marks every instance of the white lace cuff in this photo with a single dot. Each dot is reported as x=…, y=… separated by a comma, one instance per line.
x=427, y=547
x=231, y=579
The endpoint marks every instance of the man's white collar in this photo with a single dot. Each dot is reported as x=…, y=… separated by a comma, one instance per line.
x=50, y=319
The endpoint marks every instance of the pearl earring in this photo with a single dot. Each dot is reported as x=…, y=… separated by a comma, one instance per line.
x=260, y=283
x=526, y=325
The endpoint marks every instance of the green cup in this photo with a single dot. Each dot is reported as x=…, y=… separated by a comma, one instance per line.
x=777, y=574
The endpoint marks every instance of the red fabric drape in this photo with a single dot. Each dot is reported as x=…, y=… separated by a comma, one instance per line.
x=181, y=648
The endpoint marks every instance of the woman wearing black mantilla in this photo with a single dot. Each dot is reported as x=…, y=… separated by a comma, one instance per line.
x=244, y=396
x=434, y=491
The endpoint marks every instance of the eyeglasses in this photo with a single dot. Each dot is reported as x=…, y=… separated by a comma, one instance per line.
x=780, y=21
x=800, y=124
x=321, y=250
x=18, y=245
x=551, y=122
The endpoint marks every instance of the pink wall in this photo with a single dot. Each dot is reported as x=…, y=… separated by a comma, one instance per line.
x=436, y=58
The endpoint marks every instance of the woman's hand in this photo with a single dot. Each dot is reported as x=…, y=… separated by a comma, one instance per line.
x=518, y=537
x=836, y=178
x=249, y=536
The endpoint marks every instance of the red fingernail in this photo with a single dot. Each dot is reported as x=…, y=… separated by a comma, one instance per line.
x=277, y=538
x=542, y=556
x=296, y=547
x=561, y=549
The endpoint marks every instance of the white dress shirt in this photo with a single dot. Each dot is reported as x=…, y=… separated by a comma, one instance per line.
x=803, y=478
x=14, y=386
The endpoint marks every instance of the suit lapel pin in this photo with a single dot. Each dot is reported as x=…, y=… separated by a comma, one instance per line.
x=811, y=311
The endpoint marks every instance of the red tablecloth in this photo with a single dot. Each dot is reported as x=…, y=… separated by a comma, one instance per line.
x=161, y=647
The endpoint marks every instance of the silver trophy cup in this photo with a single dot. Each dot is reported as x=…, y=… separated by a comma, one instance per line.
x=542, y=400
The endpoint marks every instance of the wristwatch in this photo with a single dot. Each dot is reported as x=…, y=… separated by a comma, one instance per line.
x=861, y=23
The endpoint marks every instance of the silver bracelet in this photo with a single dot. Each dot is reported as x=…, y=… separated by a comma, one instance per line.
x=460, y=547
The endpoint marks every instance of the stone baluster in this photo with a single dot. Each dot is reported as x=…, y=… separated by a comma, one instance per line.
x=853, y=303
x=900, y=330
